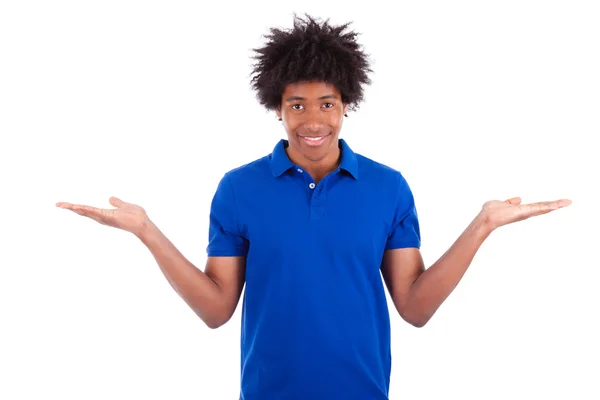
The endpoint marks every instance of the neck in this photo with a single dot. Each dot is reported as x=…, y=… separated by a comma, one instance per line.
x=318, y=169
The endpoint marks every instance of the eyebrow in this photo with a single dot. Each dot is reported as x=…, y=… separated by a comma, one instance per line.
x=328, y=96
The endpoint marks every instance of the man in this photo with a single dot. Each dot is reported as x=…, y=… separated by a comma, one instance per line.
x=310, y=229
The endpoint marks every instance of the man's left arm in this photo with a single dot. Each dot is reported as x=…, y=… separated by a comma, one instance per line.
x=417, y=292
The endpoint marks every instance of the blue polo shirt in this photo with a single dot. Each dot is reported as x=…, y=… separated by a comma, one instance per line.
x=315, y=322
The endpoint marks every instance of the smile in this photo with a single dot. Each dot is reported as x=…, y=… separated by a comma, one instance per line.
x=314, y=140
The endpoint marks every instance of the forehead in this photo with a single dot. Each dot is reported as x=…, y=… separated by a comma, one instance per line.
x=309, y=90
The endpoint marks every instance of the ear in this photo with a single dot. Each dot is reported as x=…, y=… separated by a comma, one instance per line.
x=345, y=108
x=278, y=112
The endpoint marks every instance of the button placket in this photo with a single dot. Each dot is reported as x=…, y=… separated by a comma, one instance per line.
x=317, y=206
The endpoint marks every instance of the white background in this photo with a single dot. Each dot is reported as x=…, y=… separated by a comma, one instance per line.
x=150, y=102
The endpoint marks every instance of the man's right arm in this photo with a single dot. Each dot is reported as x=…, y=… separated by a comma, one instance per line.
x=213, y=294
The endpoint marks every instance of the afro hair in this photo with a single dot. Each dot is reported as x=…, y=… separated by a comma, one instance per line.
x=310, y=52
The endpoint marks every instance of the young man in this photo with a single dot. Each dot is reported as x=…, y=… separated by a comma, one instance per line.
x=310, y=229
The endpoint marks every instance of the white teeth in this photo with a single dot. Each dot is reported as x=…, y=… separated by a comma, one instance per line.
x=315, y=139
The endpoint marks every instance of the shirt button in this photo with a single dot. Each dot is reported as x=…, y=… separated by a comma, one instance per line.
x=312, y=185
x=299, y=170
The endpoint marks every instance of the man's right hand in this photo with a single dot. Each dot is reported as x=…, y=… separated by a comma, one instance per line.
x=213, y=295
x=127, y=216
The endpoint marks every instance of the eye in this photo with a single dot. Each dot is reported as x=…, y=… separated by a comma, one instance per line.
x=331, y=105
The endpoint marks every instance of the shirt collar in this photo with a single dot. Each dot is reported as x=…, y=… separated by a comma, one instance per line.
x=280, y=162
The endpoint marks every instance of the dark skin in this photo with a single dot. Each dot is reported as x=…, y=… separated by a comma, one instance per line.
x=417, y=292
x=313, y=109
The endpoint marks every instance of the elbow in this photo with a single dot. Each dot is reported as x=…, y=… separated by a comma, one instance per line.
x=415, y=314
x=418, y=321
x=213, y=325
x=216, y=321
x=214, y=316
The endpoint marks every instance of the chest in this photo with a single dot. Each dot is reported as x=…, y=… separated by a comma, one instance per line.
x=340, y=219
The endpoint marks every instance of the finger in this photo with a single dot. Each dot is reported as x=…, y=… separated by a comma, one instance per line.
x=88, y=214
x=538, y=208
x=77, y=209
x=97, y=214
x=115, y=201
x=71, y=206
x=514, y=200
x=564, y=202
x=544, y=207
x=90, y=211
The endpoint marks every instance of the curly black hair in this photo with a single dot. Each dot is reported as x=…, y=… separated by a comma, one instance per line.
x=310, y=52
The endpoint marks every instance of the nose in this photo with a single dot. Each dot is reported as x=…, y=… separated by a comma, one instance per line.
x=314, y=120
x=313, y=127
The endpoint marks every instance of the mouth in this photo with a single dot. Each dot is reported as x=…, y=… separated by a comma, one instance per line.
x=314, y=140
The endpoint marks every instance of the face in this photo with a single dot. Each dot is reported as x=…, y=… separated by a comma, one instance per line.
x=312, y=114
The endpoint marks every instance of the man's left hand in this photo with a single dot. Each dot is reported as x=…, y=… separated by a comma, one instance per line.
x=496, y=213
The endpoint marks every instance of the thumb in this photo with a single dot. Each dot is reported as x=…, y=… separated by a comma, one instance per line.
x=514, y=200
x=116, y=201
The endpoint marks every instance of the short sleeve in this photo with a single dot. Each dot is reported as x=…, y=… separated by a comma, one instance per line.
x=405, y=231
x=224, y=235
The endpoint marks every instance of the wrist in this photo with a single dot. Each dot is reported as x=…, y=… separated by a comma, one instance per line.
x=482, y=225
x=146, y=230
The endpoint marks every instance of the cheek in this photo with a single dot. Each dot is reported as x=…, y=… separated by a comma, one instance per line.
x=291, y=128
x=291, y=133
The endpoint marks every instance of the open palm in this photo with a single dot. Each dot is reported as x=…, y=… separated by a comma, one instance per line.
x=127, y=216
x=498, y=213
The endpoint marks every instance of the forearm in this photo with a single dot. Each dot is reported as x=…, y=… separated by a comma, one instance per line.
x=436, y=283
x=198, y=290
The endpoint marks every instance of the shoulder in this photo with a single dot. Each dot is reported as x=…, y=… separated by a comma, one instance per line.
x=389, y=183
x=379, y=173
x=248, y=172
x=236, y=183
